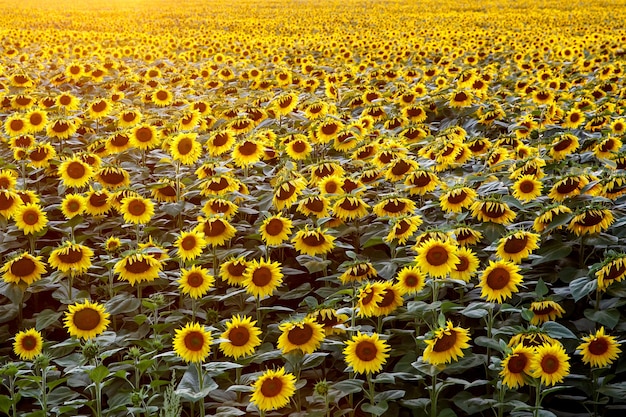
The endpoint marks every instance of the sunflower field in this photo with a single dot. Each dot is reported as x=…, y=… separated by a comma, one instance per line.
x=302, y=208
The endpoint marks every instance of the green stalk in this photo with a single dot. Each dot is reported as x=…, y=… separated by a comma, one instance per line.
x=537, y=399
x=44, y=389
x=12, y=394
x=201, y=385
x=434, y=397
x=370, y=386
x=98, y=399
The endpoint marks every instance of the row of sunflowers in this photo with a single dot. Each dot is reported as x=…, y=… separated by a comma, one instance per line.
x=331, y=209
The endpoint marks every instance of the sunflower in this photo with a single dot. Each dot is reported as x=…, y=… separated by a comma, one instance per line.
x=30, y=218
x=162, y=97
x=329, y=319
x=288, y=192
x=390, y=301
x=599, y=350
x=273, y=390
x=99, y=108
x=189, y=120
x=165, y=191
x=136, y=209
x=568, y=187
x=325, y=169
x=217, y=230
x=436, y=257
x=457, y=198
x=516, y=366
x=195, y=281
x=527, y=188
x=563, y=145
x=28, y=344
x=240, y=338
x=220, y=184
x=192, y=343
x=548, y=214
x=532, y=338
x=113, y=177
x=403, y=228
x=275, y=229
x=16, y=125
x=247, y=152
x=410, y=280
x=23, y=268
x=350, y=207
x=10, y=202
x=262, y=277
x=494, y=211
x=233, y=271
x=327, y=129
x=399, y=168
x=298, y=147
x=368, y=297
x=467, y=266
x=62, y=128
x=138, y=267
x=573, y=118
x=97, y=202
x=220, y=142
x=394, y=207
x=499, y=281
x=612, y=269
x=144, y=137
x=331, y=184
x=185, y=148
x=71, y=257
x=112, y=244
x=466, y=236
x=421, y=181
x=550, y=363
x=73, y=205
x=543, y=311
x=365, y=353
x=74, y=172
x=517, y=246
x=313, y=241
x=86, y=320
x=284, y=104
x=68, y=102
x=460, y=99
x=316, y=205
x=358, y=271
x=305, y=335
x=446, y=344
x=189, y=245
x=129, y=118
x=591, y=220
x=607, y=148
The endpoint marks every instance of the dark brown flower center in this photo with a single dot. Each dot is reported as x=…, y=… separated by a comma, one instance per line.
x=65, y=100
x=515, y=245
x=350, y=205
x=460, y=97
x=162, y=95
x=598, y=347
x=262, y=276
x=422, y=179
x=195, y=279
x=300, y=335
x=185, y=146
x=550, y=364
x=463, y=264
x=388, y=297
x=30, y=217
x=6, y=201
x=144, y=134
x=112, y=177
x=271, y=387
x=138, y=266
x=239, y=336
x=218, y=184
x=411, y=280
x=437, y=255
x=283, y=194
x=331, y=187
x=563, y=144
x=220, y=139
x=493, y=212
x=137, y=207
x=97, y=199
x=76, y=170
x=119, y=140
x=23, y=267
x=61, y=126
x=214, y=228
x=248, y=148
x=591, y=219
x=567, y=185
x=527, y=186
x=274, y=227
x=17, y=125
x=86, y=319
x=543, y=311
x=366, y=351
x=236, y=269
x=189, y=243
x=100, y=106
x=445, y=342
x=498, y=278
x=615, y=272
x=314, y=239
x=329, y=128
x=129, y=116
x=517, y=363
x=194, y=341
x=298, y=146
x=315, y=205
x=28, y=343
x=457, y=198
x=394, y=206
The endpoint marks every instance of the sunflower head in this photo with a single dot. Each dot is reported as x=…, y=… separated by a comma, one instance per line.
x=366, y=353
x=28, y=344
x=273, y=389
x=599, y=349
x=86, y=320
x=192, y=343
x=241, y=337
x=305, y=335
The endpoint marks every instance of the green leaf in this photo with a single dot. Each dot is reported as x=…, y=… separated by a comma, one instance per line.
x=541, y=288
x=608, y=318
x=488, y=342
x=98, y=374
x=416, y=403
x=47, y=318
x=553, y=250
x=582, y=287
x=5, y=403
x=471, y=403
x=376, y=410
x=557, y=331
x=475, y=310
x=122, y=303
x=349, y=386
x=313, y=359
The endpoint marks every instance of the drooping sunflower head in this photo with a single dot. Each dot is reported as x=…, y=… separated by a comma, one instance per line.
x=86, y=320
x=192, y=343
x=137, y=267
x=287, y=192
x=233, y=271
x=546, y=310
x=599, y=349
x=446, y=344
x=366, y=353
x=216, y=230
x=456, y=198
x=611, y=270
x=394, y=207
x=357, y=271
x=591, y=219
x=241, y=337
x=313, y=241
x=329, y=319
x=490, y=210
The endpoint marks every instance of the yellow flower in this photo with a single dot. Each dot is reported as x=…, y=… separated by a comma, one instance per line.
x=275, y=229
x=28, y=344
x=192, y=343
x=305, y=335
x=517, y=246
x=73, y=205
x=195, y=281
x=273, y=390
x=185, y=148
x=23, y=267
x=313, y=242
x=446, y=344
x=216, y=230
x=262, y=277
x=436, y=257
x=516, y=366
x=550, y=363
x=71, y=257
x=189, y=245
x=86, y=320
x=599, y=350
x=366, y=354
x=138, y=267
x=137, y=210
x=30, y=218
x=240, y=338
x=499, y=281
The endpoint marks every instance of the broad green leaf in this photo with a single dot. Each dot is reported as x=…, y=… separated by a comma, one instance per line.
x=557, y=330
x=5, y=403
x=376, y=410
x=608, y=318
x=541, y=288
x=349, y=386
x=553, y=250
x=582, y=287
x=47, y=318
x=99, y=373
x=122, y=303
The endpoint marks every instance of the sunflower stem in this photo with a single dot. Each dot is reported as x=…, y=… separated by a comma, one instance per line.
x=537, y=399
x=500, y=399
x=581, y=259
x=44, y=389
x=12, y=379
x=259, y=316
x=137, y=235
x=200, y=385
x=434, y=397
x=370, y=386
